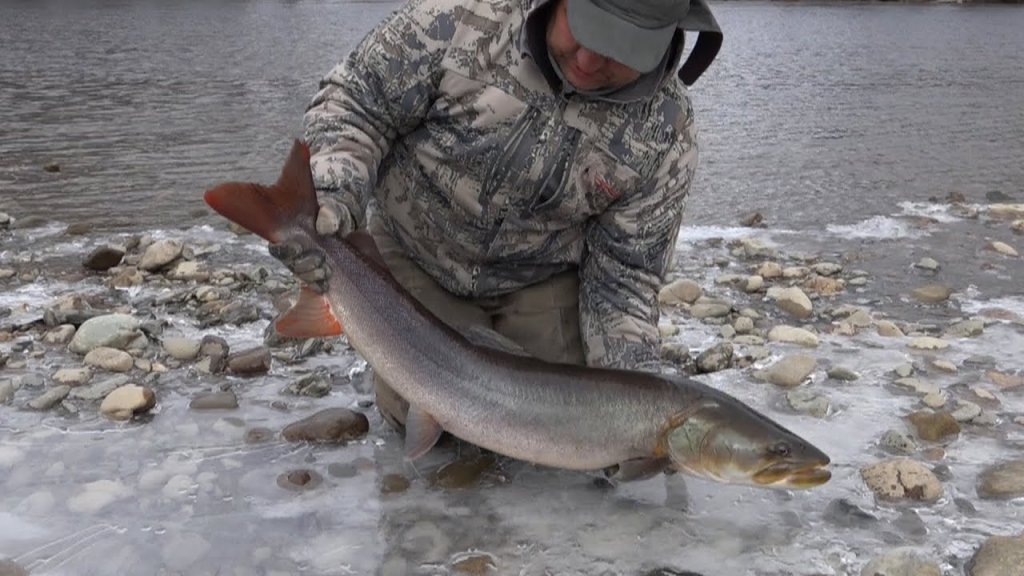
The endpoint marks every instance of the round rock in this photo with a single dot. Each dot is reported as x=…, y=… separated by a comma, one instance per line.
x=902, y=478
x=110, y=359
x=330, y=425
x=1003, y=480
x=126, y=401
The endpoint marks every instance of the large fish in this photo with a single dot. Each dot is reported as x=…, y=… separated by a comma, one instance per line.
x=558, y=415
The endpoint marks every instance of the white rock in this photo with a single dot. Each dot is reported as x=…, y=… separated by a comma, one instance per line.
x=183, y=349
x=110, y=359
x=72, y=376
x=681, y=291
x=770, y=270
x=1003, y=248
x=928, y=343
x=795, y=272
x=944, y=365
x=126, y=401
x=793, y=300
x=888, y=329
x=793, y=335
x=160, y=254
x=60, y=335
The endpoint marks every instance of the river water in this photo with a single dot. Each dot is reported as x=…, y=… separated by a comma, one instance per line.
x=845, y=125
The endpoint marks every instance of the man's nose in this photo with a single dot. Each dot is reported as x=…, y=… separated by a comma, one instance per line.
x=589, y=61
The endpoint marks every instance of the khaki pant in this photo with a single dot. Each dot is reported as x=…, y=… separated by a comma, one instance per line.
x=543, y=318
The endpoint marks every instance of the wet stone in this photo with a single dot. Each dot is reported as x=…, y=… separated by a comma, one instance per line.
x=791, y=370
x=222, y=400
x=103, y=258
x=998, y=556
x=464, y=472
x=98, y=390
x=330, y=425
x=1003, y=480
x=845, y=514
x=249, y=362
x=966, y=411
x=160, y=254
x=475, y=564
x=50, y=398
x=932, y=293
x=299, y=480
x=934, y=426
x=1005, y=381
x=898, y=442
x=127, y=401
x=715, y=359
x=842, y=374
x=902, y=478
x=258, y=435
x=808, y=401
x=393, y=484
x=109, y=359
x=316, y=385
x=901, y=562
x=183, y=349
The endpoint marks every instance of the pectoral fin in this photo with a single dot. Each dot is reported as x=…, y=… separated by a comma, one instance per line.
x=421, y=433
x=636, y=469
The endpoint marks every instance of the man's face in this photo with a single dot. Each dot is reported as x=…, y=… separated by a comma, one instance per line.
x=583, y=68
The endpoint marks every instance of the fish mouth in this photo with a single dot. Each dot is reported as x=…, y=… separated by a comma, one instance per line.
x=790, y=475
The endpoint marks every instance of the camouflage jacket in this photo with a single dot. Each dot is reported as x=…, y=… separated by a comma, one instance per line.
x=492, y=180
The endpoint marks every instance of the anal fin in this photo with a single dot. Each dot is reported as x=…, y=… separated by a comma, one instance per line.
x=421, y=433
x=311, y=317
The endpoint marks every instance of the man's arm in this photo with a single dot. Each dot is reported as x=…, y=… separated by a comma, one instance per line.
x=629, y=248
x=381, y=90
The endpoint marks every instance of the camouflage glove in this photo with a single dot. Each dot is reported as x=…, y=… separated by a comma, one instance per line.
x=309, y=266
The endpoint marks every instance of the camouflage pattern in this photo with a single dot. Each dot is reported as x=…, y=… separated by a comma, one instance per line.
x=492, y=181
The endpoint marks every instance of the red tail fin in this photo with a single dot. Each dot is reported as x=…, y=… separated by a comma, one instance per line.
x=265, y=210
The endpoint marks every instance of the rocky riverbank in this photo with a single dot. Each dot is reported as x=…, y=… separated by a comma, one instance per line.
x=118, y=333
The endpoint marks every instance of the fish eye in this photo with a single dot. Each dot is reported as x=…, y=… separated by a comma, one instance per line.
x=781, y=449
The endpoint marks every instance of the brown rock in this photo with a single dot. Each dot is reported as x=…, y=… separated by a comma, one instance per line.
x=299, y=480
x=901, y=478
x=224, y=400
x=932, y=293
x=249, y=362
x=464, y=472
x=330, y=425
x=475, y=564
x=393, y=484
x=103, y=258
x=1003, y=480
x=934, y=426
x=1005, y=381
x=998, y=556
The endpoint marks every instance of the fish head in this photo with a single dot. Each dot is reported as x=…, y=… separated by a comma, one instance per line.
x=727, y=441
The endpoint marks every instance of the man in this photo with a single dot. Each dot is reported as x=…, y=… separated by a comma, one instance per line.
x=525, y=163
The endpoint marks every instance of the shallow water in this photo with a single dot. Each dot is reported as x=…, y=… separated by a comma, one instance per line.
x=836, y=128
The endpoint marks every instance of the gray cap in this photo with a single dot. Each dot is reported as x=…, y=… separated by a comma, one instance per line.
x=636, y=33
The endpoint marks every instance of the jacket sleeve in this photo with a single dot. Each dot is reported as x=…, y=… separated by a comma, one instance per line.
x=380, y=91
x=628, y=251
